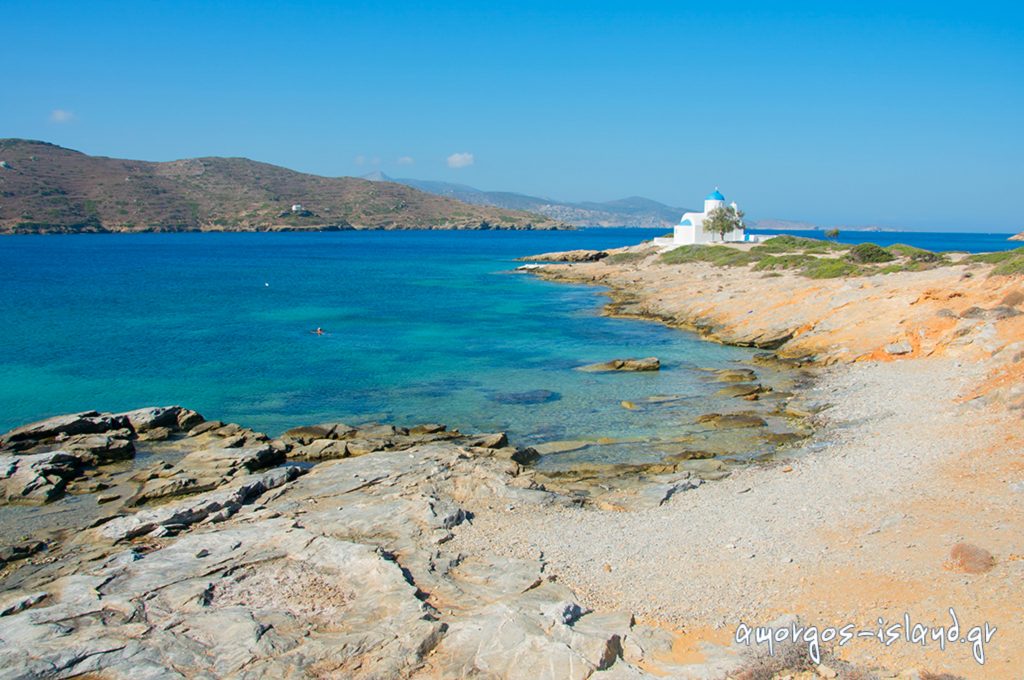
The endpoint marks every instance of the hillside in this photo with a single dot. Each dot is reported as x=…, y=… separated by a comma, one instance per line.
x=627, y=212
x=46, y=188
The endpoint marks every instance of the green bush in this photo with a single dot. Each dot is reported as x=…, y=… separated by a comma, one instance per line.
x=722, y=256
x=869, y=253
x=823, y=268
x=789, y=244
x=791, y=261
x=915, y=254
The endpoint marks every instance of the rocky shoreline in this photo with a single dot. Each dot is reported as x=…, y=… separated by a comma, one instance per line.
x=233, y=560
x=156, y=543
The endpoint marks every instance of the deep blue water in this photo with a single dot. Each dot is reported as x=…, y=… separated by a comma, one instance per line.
x=935, y=241
x=421, y=326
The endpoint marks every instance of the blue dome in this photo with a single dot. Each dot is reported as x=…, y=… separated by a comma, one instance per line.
x=686, y=223
x=715, y=195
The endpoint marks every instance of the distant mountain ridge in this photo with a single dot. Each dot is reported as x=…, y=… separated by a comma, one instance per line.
x=45, y=188
x=634, y=211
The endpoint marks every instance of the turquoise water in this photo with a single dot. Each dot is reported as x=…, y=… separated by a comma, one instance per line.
x=421, y=326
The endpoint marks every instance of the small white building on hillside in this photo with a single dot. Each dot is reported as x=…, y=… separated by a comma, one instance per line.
x=691, y=226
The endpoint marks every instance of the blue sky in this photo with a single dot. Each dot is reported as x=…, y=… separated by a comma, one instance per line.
x=890, y=113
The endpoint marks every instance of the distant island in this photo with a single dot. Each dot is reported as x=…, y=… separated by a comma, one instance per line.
x=1018, y=237
x=45, y=188
x=634, y=211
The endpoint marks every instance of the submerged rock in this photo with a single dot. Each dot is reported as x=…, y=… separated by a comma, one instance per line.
x=742, y=390
x=531, y=397
x=735, y=375
x=548, y=448
x=645, y=364
x=731, y=420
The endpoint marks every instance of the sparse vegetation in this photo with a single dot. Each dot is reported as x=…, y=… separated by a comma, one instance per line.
x=722, y=256
x=996, y=258
x=625, y=258
x=829, y=268
x=790, y=261
x=1011, y=267
x=1008, y=262
x=832, y=234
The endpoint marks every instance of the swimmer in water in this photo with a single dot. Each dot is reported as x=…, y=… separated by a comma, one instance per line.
x=318, y=331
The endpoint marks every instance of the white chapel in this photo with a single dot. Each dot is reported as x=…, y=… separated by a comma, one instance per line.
x=691, y=226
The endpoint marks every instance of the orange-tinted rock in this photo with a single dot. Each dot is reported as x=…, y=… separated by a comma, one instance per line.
x=970, y=559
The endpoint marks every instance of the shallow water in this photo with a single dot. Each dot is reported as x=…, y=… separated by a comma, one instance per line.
x=421, y=326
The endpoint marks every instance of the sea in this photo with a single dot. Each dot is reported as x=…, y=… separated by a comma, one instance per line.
x=419, y=326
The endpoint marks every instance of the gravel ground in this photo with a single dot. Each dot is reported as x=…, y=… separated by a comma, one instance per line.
x=839, y=530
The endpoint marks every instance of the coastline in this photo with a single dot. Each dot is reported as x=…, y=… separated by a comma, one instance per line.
x=921, y=371
x=429, y=555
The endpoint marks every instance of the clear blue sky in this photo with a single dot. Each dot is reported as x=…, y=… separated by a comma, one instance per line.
x=891, y=113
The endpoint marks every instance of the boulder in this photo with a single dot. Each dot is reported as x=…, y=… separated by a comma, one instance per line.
x=86, y=422
x=96, y=449
x=645, y=364
x=897, y=348
x=19, y=551
x=179, y=484
x=361, y=447
x=37, y=478
x=228, y=461
x=523, y=456
x=156, y=434
x=307, y=434
x=202, y=470
x=497, y=440
x=320, y=449
x=968, y=558
x=378, y=431
x=205, y=427
x=568, y=256
x=427, y=428
x=224, y=503
x=174, y=418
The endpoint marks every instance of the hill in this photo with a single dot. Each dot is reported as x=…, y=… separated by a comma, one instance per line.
x=47, y=188
x=627, y=212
